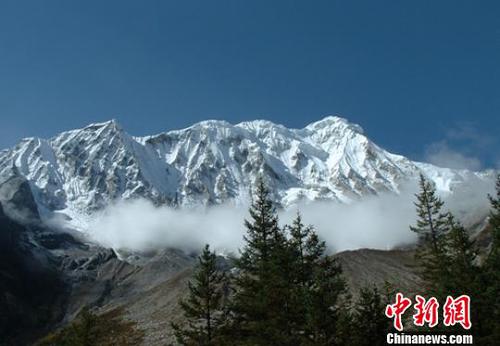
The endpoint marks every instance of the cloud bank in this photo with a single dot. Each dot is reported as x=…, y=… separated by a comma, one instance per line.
x=379, y=222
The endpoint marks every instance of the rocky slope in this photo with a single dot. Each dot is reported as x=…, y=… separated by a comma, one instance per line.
x=30, y=286
x=47, y=276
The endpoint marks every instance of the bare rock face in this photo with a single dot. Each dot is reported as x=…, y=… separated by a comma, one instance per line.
x=31, y=289
x=17, y=198
x=367, y=267
x=47, y=276
x=155, y=308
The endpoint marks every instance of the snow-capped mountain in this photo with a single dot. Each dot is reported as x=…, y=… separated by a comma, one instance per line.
x=212, y=162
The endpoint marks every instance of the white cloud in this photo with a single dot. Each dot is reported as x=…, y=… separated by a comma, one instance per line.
x=380, y=222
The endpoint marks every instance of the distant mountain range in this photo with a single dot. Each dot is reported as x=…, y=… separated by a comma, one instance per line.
x=212, y=162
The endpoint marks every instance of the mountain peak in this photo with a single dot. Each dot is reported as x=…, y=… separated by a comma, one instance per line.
x=262, y=127
x=334, y=121
x=212, y=123
x=110, y=124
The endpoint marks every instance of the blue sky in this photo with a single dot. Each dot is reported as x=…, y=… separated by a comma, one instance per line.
x=421, y=77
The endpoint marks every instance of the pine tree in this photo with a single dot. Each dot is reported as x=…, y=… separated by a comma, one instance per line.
x=370, y=325
x=489, y=280
x=493, y=259
x=287, y=291
x=306, y=252
x=461, y=259
x=261, y=302
x=329, y=318
x=261, y=232
x=318, y=287
x=203, y=307
x=432, y=226
x=307, y=249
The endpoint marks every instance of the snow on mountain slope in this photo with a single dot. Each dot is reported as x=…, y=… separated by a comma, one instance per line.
x=212, y=162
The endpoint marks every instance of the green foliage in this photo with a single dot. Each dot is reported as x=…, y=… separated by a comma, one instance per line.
x=493, y=259
x=448, y=259
x=488, y=281
x=203, y=307
x=432, y=222
x=370, y=325
x=262, y=293
x=461, y=257
x=432, y=227
x=90, y=329
x=319, y=292
x=287, y=291
x=328, y=320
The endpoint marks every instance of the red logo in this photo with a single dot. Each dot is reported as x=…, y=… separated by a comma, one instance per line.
x=397, y=309
x=427, y=311
x=457, y=311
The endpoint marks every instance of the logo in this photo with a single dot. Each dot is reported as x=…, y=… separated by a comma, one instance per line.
x=427, y=312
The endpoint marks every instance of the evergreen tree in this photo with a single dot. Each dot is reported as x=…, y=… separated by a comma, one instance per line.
x=203, y=307
x=319, y=312
x=461, y=259
x=370, y=325
x=287, y=291
x=462, y=270
x=489, y=280
x=261, y=302
x=493, y=259
x=329, y=318
x=307, y=250
x=432, y=226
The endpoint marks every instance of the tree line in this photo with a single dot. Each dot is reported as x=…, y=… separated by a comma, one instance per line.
x=449, y=264
x=285, y=290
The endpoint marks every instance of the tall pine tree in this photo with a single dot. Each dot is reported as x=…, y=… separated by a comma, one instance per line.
x=431, y=228
x=306, y=251
x=203, y=308
x=329, y=305
x=319, y=291
x=261, y=301
x=489, y=280
x=370, y=325
x=461, y=255
x=493, y=259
